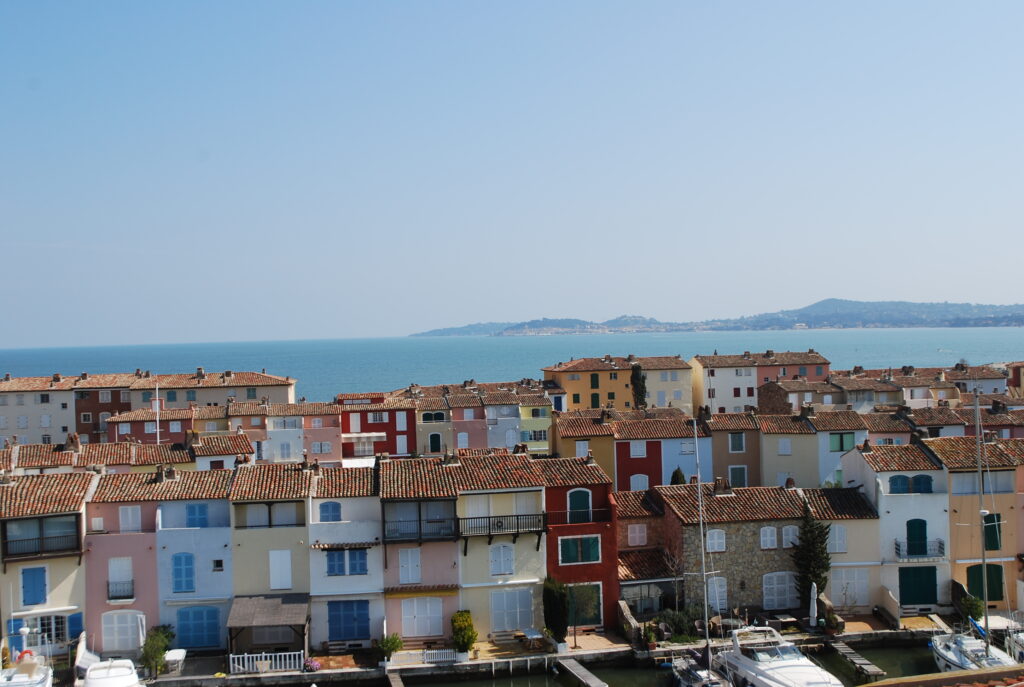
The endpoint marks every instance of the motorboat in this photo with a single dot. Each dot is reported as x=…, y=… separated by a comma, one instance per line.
x=92, y=671
x=692, y=671
x=760, y=657
x=964, y=651
x=29, y=670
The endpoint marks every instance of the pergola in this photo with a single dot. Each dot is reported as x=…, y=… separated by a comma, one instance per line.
x=291, y=610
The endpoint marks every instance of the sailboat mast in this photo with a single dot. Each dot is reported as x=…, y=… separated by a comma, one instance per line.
x=979, y=445
x=700, y=529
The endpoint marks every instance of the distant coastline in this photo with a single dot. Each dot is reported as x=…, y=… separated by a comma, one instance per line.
x=831, y=313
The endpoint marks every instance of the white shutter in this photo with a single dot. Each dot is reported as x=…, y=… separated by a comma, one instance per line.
x=785, y=447
x=283, y=514
x=718, y=594
x=526, y=503
x=432, y=611
x=280, y=569
x=637, y=535
x=131, y=518
x=582, y=447
x=409, y=566
x=837, y=539
x=478, y=506
x=409, y=617
x=119, y=569
x=354, y=424
x=768, y=538
x=400, y=421
x=401, y=441
x=790, y=535
x=97, y=524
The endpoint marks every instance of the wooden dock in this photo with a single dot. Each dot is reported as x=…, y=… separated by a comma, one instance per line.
x=580, y=675
x=860, y=664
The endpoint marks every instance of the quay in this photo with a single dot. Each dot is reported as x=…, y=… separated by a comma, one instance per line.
x=860, y=664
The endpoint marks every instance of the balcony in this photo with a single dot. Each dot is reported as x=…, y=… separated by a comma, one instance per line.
x=578, y=517
x=420, y=530
x=41, y=545
x=489, y=526
x=120, y=591
x=911, y=549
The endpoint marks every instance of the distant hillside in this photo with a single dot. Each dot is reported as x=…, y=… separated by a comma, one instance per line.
x=831, y=313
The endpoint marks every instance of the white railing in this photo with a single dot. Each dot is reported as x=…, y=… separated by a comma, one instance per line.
x=411, y=657
x=439, y=655
x=265, y=663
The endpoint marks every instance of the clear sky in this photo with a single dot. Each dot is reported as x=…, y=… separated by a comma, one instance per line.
x=210, y=171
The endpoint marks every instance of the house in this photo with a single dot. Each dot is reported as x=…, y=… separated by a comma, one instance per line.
x=581, y=541
x=346, y=559
x=585, y=432
x=938, y=421
x=169, y=426
x=649, y=565
x=736, y=447
x=535, y=423
x=725, y=383
x=469, y=424
x=98, y=397
x=788, y=395
x=649, y=449
x=995, y=418
x=36, y=410
x=920, y=391
x=983, y=378
x=501, y=408
x=908, y=487
x=887, y=429
x=594, y=382
x=669, y=381
x=374, y=424
x=838, y=432
x=862, y=394
x=209, y=388
x=41, y=542
x=270, y=552
x=810, y=365
x=789, y=450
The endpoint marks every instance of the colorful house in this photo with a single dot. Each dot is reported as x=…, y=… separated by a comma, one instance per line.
x=535, y=423
x=789, y=450
x=838, y=432
x=736, y=447
x=887, y=429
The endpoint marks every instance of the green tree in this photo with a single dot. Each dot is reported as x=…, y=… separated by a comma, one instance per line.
x=158, y=641
x=556, y=608
x=678, y=477
x=638, y=382
x=811, y=557
x=464, y=635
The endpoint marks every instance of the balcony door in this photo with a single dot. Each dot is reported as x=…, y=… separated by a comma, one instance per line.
x=917, y=537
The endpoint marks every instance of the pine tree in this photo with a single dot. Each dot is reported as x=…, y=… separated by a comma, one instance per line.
x=811, y=557
x=678, y=477
x=638, y=382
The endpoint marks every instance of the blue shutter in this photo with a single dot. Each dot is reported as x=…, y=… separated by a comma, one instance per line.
x=357, y=562
x=183, y=566
x=196, y=515
x=335, y=562
x=14, y=639
x=33, y=586
x=330, y=511
x=75, y=626
x=334, y=631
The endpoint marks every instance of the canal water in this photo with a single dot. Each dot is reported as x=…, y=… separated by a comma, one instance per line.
x=615, y=677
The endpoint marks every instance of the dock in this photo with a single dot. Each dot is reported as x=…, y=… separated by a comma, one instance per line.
x=860, y=664
x=581, y=676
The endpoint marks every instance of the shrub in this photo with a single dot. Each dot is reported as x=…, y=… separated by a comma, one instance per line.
x=463, y=633
x=389, y=644
x=158, y=640
x=556, y=609
x=311, y=665
x=972, y=607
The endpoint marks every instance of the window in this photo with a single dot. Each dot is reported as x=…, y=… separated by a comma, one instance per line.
x=433, y=417
x=104, y=396
x=819, y=370
x=23, y=422
x=53, y=627
x=582, y=447
x=595, y=400
x=576, y=398
x=613, y=375
x=677, y=395
x=190, y=395
x=172, y=396
x=573, y=550
x=782, y=371
x=317, y=423
x=218, y=565
x=711, y=393
x=595, y=380
x=284, y=450
x=125, y=395
x=19, y=399
x=574, y=377
x=736, y=392
x=254, y=421
x=346, y=562
x=44, y=421
x=3, y=400
x=737, y=442
x=539, y=435
x=739, y=372
x=409, y=566
x=638, y=482
x=196, y=515
x=921, y=484
x=579, y=502
x=711, y=373
x=330, y=511
x=183, y=572
x=538, y=412
x=899, y=484
x=637, y=535
x=462, y=440
x=511, y=609
x=769, y=538
x=738, y=475
x=44, y=398
x=46, y=439
x=150, y=428
x=790, y=536
x=637, y=449
x=785, y=447
x=3, y=422
x=840, y=441
x=321, y=447
x=716, y=540
x=123, y=427
x=121, y=630
x=718, y=596
x=664, y=376
x=502, y=557
x=250, y=393
x=198, y=626
x=348, y=620
x=147, y=396
x=33, y=586
x=422, y=617
x=174, y=426
x=750, y=391
x=130, y=518
x=377, y=418
x=611, y=395
x=86, y=417
x=779, y=591
x=993, y=532
x=802, y=371
x=837, y=539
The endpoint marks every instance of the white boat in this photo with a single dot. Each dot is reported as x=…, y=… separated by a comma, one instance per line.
x=91, y=671
x=28, y=671
x=688, y=672
x=964, y=651
x=760, y=657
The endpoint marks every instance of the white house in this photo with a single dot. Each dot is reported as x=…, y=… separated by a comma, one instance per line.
x=36, y=410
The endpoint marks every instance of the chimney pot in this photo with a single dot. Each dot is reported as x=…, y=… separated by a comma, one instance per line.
x=790, y=483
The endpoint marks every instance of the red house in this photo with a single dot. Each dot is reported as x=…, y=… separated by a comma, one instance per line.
x=582, y=549
x=374, y=423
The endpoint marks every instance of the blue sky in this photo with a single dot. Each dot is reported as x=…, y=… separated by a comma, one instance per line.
x=192, y=171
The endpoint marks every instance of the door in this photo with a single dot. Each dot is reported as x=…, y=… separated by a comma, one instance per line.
x=995, y=581
x=918, y=586
x=917, y=537
x=579, y=505
x=281, y=569
x=511, y=610
x=121, y=630
x=348, y=620
x=354, y=423
x=421, y=617
x=849, y=587
x=401, y=443
x=511, y=438
x=435, y=443
x=661, y=399
x=478, y=508
x=119, y=578
x=595, y=400
x=198, y=627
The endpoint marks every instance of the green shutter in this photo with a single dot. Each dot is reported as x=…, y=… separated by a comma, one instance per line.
x=595, y=400
x=993, y=532
x=595, y=380
x=835, y=442
x=570, y=552
x=576, y=399
x=995, y=581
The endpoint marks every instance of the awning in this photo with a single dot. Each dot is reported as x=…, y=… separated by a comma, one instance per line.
x=365, y=436
x=276, y=609
x=327, y=546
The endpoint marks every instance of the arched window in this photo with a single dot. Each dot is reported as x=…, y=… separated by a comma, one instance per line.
x=638, y=482
x=502, y=558
x=183, y=569
x=899, y=484
x=330, y=511
x=769, y=538
x=790, y=536
x=921, y=484
x=580, y=504
x=718, y=593
x=716, y=540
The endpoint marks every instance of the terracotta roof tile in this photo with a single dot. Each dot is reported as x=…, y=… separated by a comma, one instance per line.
x=591, y=365
x=861, y=384
x=469, y=452
x=117, y=380
x=431, y=403
x=567, y=472
x=766, y=358
x=783, y=424
x=410, y=478
x=571, y=427
x=636, y=504
x=891, y=458
x=803, y=385
x=886, y=423
x=464, y=401
x=274, y=482
x=534, y=400
x=745, y=504
x=988, y=418
x=41, y=456
x=223, y=445
x=657, y=429
x=839, y=504
x=30, y=495
x=933, y=417
x=643, y=564
x=149, y=415
x=210, y=379
x=187, y=485
x=52, y=383
x=732, y=422
x=345, y=483
x=960, y=453
x=837, y=420
x=662, y=362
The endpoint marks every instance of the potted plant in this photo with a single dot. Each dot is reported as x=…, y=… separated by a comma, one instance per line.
x=388, y=645
x=831, y=624
x=464, y=635
x=310, y=665
x=649, y=637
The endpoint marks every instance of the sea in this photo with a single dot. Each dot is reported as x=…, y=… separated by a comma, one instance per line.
x=326, y=367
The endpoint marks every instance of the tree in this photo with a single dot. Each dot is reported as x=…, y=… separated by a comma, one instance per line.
x=810, y=556
x=464, y=635
x=638, y=382
x=158, y=640
x=678, y=477
x=556, y=608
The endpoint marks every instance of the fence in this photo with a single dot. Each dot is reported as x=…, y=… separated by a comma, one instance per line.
x=439, y=655
x=266, y=663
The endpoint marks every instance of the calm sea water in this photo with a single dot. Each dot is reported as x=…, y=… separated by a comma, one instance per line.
x=327, y=367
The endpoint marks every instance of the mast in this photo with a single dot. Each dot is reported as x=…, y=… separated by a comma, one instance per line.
x=979, y=445
x=700, y=526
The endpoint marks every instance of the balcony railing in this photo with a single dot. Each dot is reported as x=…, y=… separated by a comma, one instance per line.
x=36, y=545
x=407, y=530
x=920, y=548
x=117, y=591
x=502, y=524
x=576, y=517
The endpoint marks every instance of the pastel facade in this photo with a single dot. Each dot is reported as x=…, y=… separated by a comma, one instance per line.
x=728, y=383
x=210, y=388
x=838, y=432
x=36, y=410
x=669, y=382
x=789, y=450
x=594, y=382
x=736, y=448
x=535, y=419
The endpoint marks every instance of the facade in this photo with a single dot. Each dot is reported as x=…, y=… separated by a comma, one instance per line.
x=210, y=388
x=728, y=383
x=535, y=423
x=169, y=426
x=649, y=450
x=736, y=447
x=36, y=410
x=864, y=393
x=938, y=421
x=838, y=432
x=887, y=429
x=789, y=450
x=594, y=382
x=788, y=395
x=669, y=382
x=97, y=399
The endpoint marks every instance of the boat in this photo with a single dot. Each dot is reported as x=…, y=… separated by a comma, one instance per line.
x=690, y=670
x=760, y=657
x=92, y=671
x=29, y=670
x=964, y=651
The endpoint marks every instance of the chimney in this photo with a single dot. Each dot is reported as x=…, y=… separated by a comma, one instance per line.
x=722, y=486
x=147, y=374
x=159, y=473
x=7, y=377
x=590, y=458
x=200, y=373
x=56, y=377
x=5, y=479
x=790, y=483
x=857, y=370
x=998, y=407
x=746, y=354
x=693, y=479
x=907, y=370
x=228, y=374
x=989, y=436
x=170, y=473
x=316, y=467
x=769, y=353
x=73, y=443
x=806, y=411
x=866, y=447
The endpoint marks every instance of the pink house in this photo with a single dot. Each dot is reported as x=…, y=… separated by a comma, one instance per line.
x=469, y=421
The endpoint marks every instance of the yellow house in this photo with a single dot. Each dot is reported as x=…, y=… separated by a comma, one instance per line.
x=789, y=450
x=43, y=576
x=668, y=379
x=585, y=432
x=535, y=423
x=594, y=382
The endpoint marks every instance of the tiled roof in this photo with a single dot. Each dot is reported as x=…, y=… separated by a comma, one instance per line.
x=52, y=383
x=933, y=417
x=745, y=504
x=372, y=397
x=149, y=415
x=500, y=398
x=464, y=452
x=783, y=424
x=809, y=357
x=41, y=456
x=6, y=458
x=534, y=400
x=146, y=486
x=892, y=458
x=464, y=401
x=861, y=384
x=30, y=495
x=567, y=472
x=837, y=420
x=886, y=423
x=967, y=400
x=662, y=362
x=976, y=372
x=249, y=409
x=410, y=478
x=591, y=365
x=918, y=381
x=117, y=380
x=732, y=422
x=431, y=403
x=223, y=445
x=274, y=482
x=210, y=379
x=345, y=483
x=803, y=385
x=960, y=453
x=709, y=361
x=656, y=429
x=636, y=504
x=571, y=427
x=988, y=418
x=839, y=504
x=643, y=564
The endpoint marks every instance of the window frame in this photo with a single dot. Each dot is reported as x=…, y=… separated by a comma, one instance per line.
x=715, y=540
